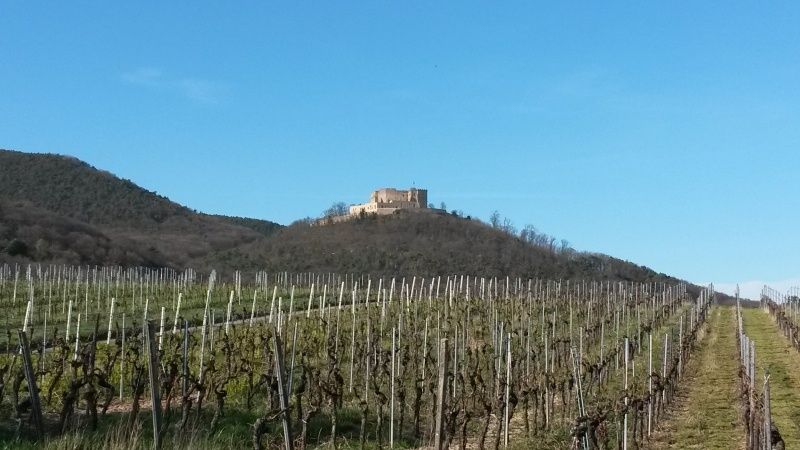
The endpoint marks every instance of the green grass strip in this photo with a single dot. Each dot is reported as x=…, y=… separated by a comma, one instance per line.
x=774, y=354
x=705, y=414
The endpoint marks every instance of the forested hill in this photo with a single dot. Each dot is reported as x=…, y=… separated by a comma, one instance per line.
x=56, y=209
x=72, y=188
x=60, y=209
x=421, y=244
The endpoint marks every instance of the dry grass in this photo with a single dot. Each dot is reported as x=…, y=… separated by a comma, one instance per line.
x=774, y=354
x=706, y=414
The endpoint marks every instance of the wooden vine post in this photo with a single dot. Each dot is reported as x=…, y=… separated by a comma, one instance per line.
x=185, y=374
x=392, y=395
x=625, y=416
x=280, y=370
x=767, y=416
x=507, y=393
x=649, y=382
x=441, y=392
x=122, y=361
x=30, y=376
x=152, y=370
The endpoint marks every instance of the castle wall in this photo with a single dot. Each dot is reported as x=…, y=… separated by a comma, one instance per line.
x=382, y=207
x=388, y=200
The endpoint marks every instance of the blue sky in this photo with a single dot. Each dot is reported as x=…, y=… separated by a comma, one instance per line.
x=663, y=134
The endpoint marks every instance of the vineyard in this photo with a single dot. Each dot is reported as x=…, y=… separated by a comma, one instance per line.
x=138, y=358
x=399, y=225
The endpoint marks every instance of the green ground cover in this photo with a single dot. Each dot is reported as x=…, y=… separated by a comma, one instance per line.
x=706, y=415
x=776, y=356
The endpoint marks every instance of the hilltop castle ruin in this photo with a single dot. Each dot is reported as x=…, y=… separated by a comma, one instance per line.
x=388, y=200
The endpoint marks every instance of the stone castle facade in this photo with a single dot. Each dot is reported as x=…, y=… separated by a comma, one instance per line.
x=388, y=200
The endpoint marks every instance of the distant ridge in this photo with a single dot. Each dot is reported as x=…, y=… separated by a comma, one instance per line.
x=408, y=244
x=62, y=209
x=58, y=209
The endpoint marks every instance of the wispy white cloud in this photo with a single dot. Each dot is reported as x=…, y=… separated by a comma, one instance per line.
x=147, y=76
x=752, y=289
x=201, y=90
x=588, y=88
x=195, y=89
x=493, y=195
x=592, y=82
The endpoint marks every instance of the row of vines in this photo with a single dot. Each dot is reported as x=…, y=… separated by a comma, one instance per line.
x=341, y=360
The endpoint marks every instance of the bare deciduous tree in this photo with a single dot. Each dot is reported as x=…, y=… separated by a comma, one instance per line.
x=336, y=209
x=494, y=219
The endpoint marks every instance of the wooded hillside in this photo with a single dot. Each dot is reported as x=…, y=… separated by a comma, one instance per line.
x=57, y=209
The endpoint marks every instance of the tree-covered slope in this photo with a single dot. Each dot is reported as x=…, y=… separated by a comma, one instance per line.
x=57, y=209
x=129, y=224
x=420, y=244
